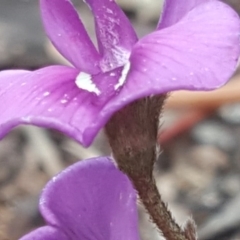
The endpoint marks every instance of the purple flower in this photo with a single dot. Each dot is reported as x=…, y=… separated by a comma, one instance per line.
x=91, y=200
x=195, y=46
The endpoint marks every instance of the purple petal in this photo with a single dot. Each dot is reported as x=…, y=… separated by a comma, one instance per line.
x=47, y=97
x=68, y=34
x=174, y=10
x=45, y=233
x=115, y=33
x=92, y=200
x=198, y=53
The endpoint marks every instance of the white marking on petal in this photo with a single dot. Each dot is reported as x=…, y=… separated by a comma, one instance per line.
x=46, y=94
x=84, y=81
x=63, y=101
x=54, y=179
x=124, y=74
x=116, y=58
x=112, y=74
x=26, y=119
x=108, y=10
x=66, y=96
x=121, y=55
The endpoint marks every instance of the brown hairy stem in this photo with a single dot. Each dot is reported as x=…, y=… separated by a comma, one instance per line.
x=158, y=210
x=132, y=134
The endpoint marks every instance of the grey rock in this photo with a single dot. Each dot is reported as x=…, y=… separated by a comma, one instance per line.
x=230, y=113
x=25, y=209
x=146, y=10
x=208, y=158
x=211, y=199
x=222, y=221
x=21, y=35
x=214, y=133
x=230, y=185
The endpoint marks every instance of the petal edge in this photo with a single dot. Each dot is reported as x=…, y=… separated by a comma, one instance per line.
x=68, y=35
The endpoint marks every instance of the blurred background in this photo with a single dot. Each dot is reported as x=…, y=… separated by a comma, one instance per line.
x=198, y=172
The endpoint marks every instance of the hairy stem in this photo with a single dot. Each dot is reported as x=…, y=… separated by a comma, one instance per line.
x=158, y=210
x=132, y=134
